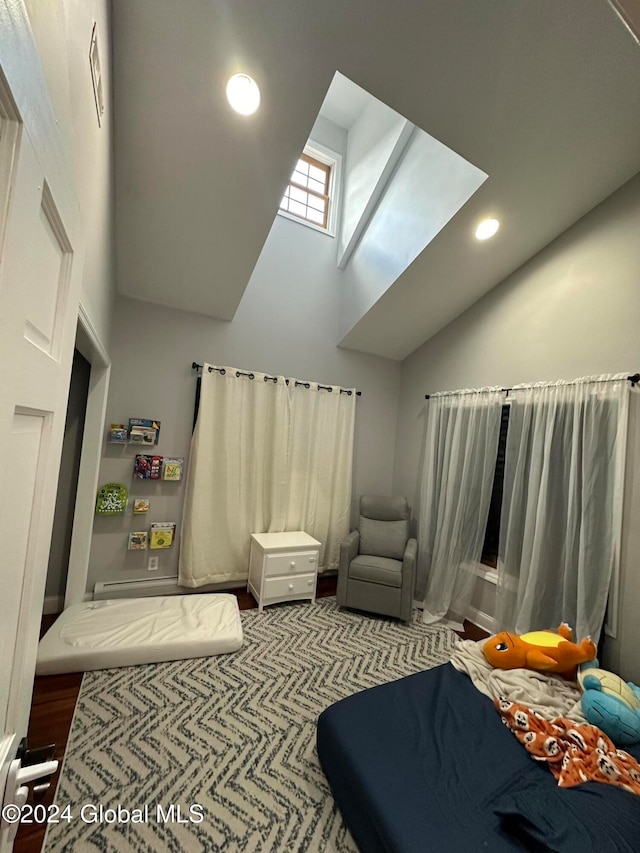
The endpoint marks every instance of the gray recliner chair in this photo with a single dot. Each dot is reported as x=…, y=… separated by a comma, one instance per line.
x=378, y=560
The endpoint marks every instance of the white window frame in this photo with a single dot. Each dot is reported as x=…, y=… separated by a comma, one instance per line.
x=334, y=160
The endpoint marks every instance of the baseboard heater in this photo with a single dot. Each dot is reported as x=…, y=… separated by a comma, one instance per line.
x=142, y=587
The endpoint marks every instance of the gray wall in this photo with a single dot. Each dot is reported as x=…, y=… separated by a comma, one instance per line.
x=571, y=311
x=286, y=323
x=330, y=134
x=62, y=32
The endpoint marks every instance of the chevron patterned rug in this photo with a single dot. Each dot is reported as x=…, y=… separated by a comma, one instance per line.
x=218, y=754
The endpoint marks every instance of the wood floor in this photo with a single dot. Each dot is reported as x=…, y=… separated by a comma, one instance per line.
x=55, y=696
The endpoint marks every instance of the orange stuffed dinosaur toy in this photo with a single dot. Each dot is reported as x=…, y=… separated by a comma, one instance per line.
x=540, y=650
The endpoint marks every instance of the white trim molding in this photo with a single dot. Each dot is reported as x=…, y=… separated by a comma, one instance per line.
x=629, y=13
x=376, y=193
x=92, y=447
x=142, y=587
x=333, y=159
x=486, y=573
x=8, y=748
x=481, y=619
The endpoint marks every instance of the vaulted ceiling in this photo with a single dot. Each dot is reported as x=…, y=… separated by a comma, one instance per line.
x=540, y=94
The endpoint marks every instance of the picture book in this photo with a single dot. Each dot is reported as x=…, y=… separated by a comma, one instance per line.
x=111, y=499
x=142, y=467
x=147, y=467
x=156, y=467
x=172, y=467
x=162, y=534
x=140, y=505
x=118, y=434
x=138, y=540
x=143, y=431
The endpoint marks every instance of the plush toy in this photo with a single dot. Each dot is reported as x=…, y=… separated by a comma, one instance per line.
x=610, y=704
x=540, y=650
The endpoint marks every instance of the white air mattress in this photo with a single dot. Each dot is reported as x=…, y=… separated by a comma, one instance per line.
x=125, y=632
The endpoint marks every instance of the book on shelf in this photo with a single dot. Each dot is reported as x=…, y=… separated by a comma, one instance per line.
x=142, y=467
x=111, y=499
x=138, y=540
x=147, y=467
x=156, y=467
x=172, y=467
x=117, y=434
x=162, y=534
x=143, y=431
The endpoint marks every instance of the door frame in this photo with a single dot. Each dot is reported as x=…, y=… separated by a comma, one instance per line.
x=92, y=348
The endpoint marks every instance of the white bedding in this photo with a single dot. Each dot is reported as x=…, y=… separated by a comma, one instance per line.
x=125, y=632
x=549, y=695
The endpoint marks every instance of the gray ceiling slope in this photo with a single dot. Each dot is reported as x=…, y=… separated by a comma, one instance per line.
x=543, y=95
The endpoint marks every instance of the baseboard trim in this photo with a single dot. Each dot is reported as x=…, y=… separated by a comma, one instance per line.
x=481, y=619
x=144, y=587
x=52, y=604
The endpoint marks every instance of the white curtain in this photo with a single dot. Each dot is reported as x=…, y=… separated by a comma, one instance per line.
x=562, y=504
x=462, y=435
x=265, y=457
x=320, y=465
x=237, y=474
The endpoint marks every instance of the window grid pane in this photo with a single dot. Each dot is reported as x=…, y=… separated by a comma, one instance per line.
x=298, y=209
x=317, y=174
x=316, y=202
x=307, y=195
x=298, y=194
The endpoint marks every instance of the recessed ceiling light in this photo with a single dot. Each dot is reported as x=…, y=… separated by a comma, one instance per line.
x=243, y=94
x=487, y=228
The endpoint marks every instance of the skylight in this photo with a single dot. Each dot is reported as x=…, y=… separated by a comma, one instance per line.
x=401, y=186
x=311, y=194
x=397, y=188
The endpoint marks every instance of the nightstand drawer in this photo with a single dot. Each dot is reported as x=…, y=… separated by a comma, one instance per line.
x=283, y=567
x=283, y=587
x=297, y=563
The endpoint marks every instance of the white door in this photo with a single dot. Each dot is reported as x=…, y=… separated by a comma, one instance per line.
x=40, y=267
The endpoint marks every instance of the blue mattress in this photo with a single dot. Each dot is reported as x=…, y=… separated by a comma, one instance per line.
x=425, y=764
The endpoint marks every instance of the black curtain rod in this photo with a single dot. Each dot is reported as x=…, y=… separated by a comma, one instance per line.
x=222, y=371
x=634, y=380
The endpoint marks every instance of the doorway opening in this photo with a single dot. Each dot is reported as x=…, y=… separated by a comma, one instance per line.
x=67, y=485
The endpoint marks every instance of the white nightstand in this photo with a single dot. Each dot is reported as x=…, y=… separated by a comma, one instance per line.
x=283, y=567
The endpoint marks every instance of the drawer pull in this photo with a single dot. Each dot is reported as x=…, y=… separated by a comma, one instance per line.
x=309, y=583
x=293, y=564
x=312, y=559
x=290, y=586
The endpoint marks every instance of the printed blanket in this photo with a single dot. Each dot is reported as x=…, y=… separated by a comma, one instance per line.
x=575, y=753
x=547, y=693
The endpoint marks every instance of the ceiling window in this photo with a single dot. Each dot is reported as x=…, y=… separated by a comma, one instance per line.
x=310, y=194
